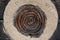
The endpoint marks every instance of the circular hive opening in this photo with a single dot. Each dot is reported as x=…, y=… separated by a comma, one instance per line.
x=30, y=20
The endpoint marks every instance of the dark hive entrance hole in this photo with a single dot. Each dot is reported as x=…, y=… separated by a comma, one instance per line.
x=30, y=20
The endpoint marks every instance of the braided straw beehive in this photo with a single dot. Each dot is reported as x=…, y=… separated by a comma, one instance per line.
x=25, y=19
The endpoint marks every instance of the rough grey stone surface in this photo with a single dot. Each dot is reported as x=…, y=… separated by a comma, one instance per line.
x=3, y=36
x=3, y=4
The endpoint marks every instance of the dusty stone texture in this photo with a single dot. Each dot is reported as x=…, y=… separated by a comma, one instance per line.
x=3, y=4
x=46, y=5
